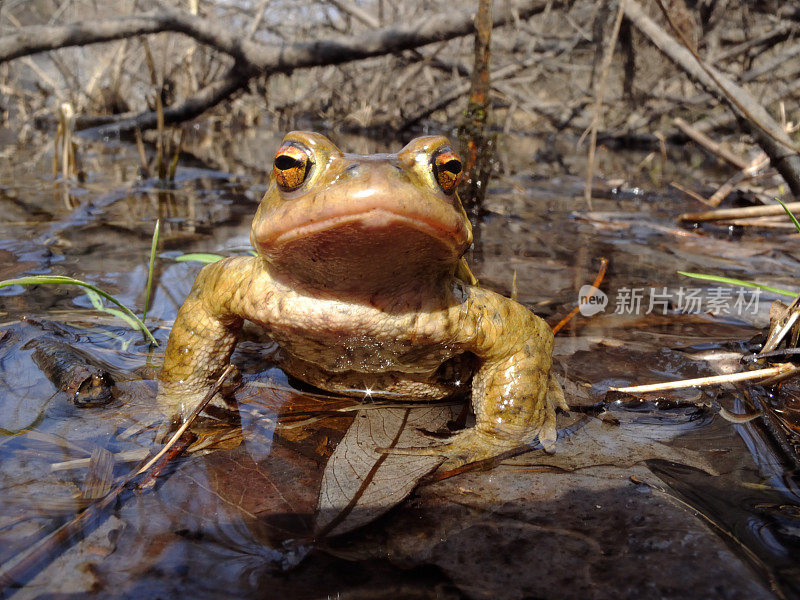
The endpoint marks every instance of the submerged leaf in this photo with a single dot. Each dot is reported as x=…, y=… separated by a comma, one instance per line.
x=360, y=483
x=624, y=444
x=100, y=476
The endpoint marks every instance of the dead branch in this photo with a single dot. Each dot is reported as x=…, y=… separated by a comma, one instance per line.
x=767, y=133
x=225, y=86
x=251, y=58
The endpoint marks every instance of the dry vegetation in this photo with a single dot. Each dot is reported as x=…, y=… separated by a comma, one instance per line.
x=558, y=67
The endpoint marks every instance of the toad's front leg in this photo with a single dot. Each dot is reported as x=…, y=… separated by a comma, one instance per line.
x=514, y=393
x=204, y=335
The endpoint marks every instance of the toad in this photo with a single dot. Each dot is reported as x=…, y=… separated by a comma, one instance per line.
x=360, y=279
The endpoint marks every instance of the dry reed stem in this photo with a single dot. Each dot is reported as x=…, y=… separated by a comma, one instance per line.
x=608, y=54
x=738, y=213
x=768, y=373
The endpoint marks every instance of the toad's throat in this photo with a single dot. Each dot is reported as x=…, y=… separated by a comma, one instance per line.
x=377, y=252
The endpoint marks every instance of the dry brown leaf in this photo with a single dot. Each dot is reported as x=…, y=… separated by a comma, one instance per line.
x=359, y=483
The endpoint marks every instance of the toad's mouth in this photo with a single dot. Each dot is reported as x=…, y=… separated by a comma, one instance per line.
x=450, y=235
x=370, y=253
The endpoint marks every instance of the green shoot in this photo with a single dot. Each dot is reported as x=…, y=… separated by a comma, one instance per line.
x=202, y=257
x=791, y=216
x=718, y=279
x=97, y=303
x=63, y=280
x=150, y=269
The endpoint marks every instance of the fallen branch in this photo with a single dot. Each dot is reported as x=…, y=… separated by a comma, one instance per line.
x=251, y=58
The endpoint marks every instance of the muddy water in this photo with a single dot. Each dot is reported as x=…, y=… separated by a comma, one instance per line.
x=661, y=498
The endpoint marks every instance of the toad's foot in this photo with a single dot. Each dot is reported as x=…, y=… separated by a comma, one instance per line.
x=178, y=404
x=469, y=446
x=476, y=446
x=479, y=444
x=177, y=400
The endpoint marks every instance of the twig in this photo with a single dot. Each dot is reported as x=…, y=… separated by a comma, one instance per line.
x=190, y=419
x=772, y=94
x=357, y=13
x=706, y=381
x=737, y=213
x=256, y=23
x=690, y=193
x=771, y=37
x=762, y=222
x=748, y=172
x=144, y=168
x=776, y=61
x=595, y=284
x=457, y=91
x=710, y=145
x=136, y=455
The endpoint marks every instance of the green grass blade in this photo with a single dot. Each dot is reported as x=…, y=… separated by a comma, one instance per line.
x=150, y=268
x=63, y=280
x=97, y=302
x=791, y=216
x=202, y=257
x=728, y=280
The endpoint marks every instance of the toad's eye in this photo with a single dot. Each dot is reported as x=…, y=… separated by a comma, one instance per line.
x=447, y=168
x=291, y=167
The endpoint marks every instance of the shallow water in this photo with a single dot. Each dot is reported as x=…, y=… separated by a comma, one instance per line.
x=663, y=498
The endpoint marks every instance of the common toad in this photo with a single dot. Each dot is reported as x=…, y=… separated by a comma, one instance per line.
x=360, y=279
